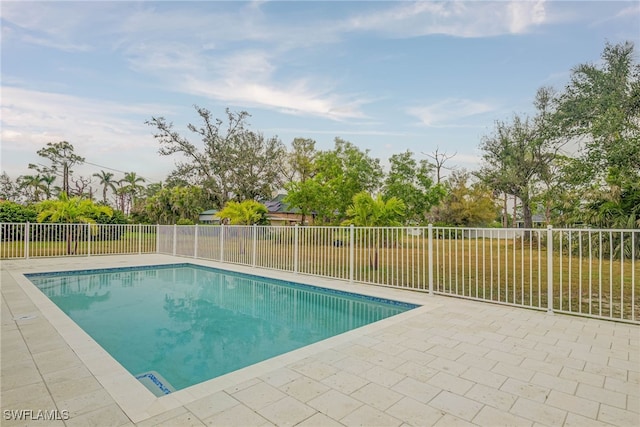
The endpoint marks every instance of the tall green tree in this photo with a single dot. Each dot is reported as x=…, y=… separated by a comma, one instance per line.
x=600, y=112
x=63, y=157
x=33, y=186
x=337, y=176
x=107, y=181
x=412, y=182
x=131, y=187
x=302, y=192
x=300, y=165
x=466, y=204
x=170, y=205
x=518, y=153
x=310, y=198
x=229, y=162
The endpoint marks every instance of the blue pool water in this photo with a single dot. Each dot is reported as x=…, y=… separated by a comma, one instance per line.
x=177, y=325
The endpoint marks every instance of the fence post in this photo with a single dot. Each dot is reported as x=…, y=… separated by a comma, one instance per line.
x=296, y=251
x=352, y=252
x=254, y=233
x=430, y=248
x=195, y=242
x=175, y=238
x=221, y=242
x=550, y=269
x=157, y=238
x=139, y=239
x=26, y=240
x=88, y=239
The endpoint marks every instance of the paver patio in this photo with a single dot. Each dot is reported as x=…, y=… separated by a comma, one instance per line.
x=450, y=362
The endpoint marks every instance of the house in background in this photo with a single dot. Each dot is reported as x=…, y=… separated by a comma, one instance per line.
x=209, y=217
x=538, y=220
x=280, y=213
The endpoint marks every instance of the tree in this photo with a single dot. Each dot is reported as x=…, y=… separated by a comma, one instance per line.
x=70, y=210
x=309, y=197
x=247, y=212
x=337, y=176
x=600, y=110
x=170, y=205
x=9, y=190
x=62, y=155
x=300, y=164
x=518, y=153
x=302, y=192
x=411, y=182
x=233, y=162
x=369, y=212
x=47, y=183
x=107, y=181
x=466, y=205
x=439, y=160
x=33, y=186
x=130, y=189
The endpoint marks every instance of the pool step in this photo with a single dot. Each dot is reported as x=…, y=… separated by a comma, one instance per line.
x=156, y=383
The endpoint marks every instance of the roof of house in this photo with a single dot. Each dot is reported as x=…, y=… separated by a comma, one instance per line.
x=277, y=205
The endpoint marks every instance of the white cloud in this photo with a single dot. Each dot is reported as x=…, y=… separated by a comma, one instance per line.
x=296, y=97
x=633, y=11
x=450, y=112
x=461, y=19
x=107, y=133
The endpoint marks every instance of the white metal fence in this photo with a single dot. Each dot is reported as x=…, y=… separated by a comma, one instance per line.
x=587, y=272
x=19, y=240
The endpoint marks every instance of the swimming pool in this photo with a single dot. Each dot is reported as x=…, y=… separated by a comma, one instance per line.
x=174, y=326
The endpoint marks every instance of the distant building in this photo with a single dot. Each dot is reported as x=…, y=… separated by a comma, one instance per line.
x=209, y=217
x=280, y=213
x=537, y=221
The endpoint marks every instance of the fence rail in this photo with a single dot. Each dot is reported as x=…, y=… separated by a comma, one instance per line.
x=586, y=272
x=55, y=240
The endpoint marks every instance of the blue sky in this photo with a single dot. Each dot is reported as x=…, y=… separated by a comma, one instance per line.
x=389, y=76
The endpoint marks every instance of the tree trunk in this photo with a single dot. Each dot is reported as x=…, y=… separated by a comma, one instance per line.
x=528, y=221
x=505, y=215
x=68, y=241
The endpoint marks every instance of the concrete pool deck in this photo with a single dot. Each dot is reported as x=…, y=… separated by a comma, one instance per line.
x=450, y=362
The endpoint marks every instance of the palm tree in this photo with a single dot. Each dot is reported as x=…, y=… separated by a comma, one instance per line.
x=107, y=182
x=131, y=188
x=47, y=181
x=70, y=210
x=369, y=212
x=247, y=212
x=33, y=183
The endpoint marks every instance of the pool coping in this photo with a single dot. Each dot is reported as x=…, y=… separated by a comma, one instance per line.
x=137, y=402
